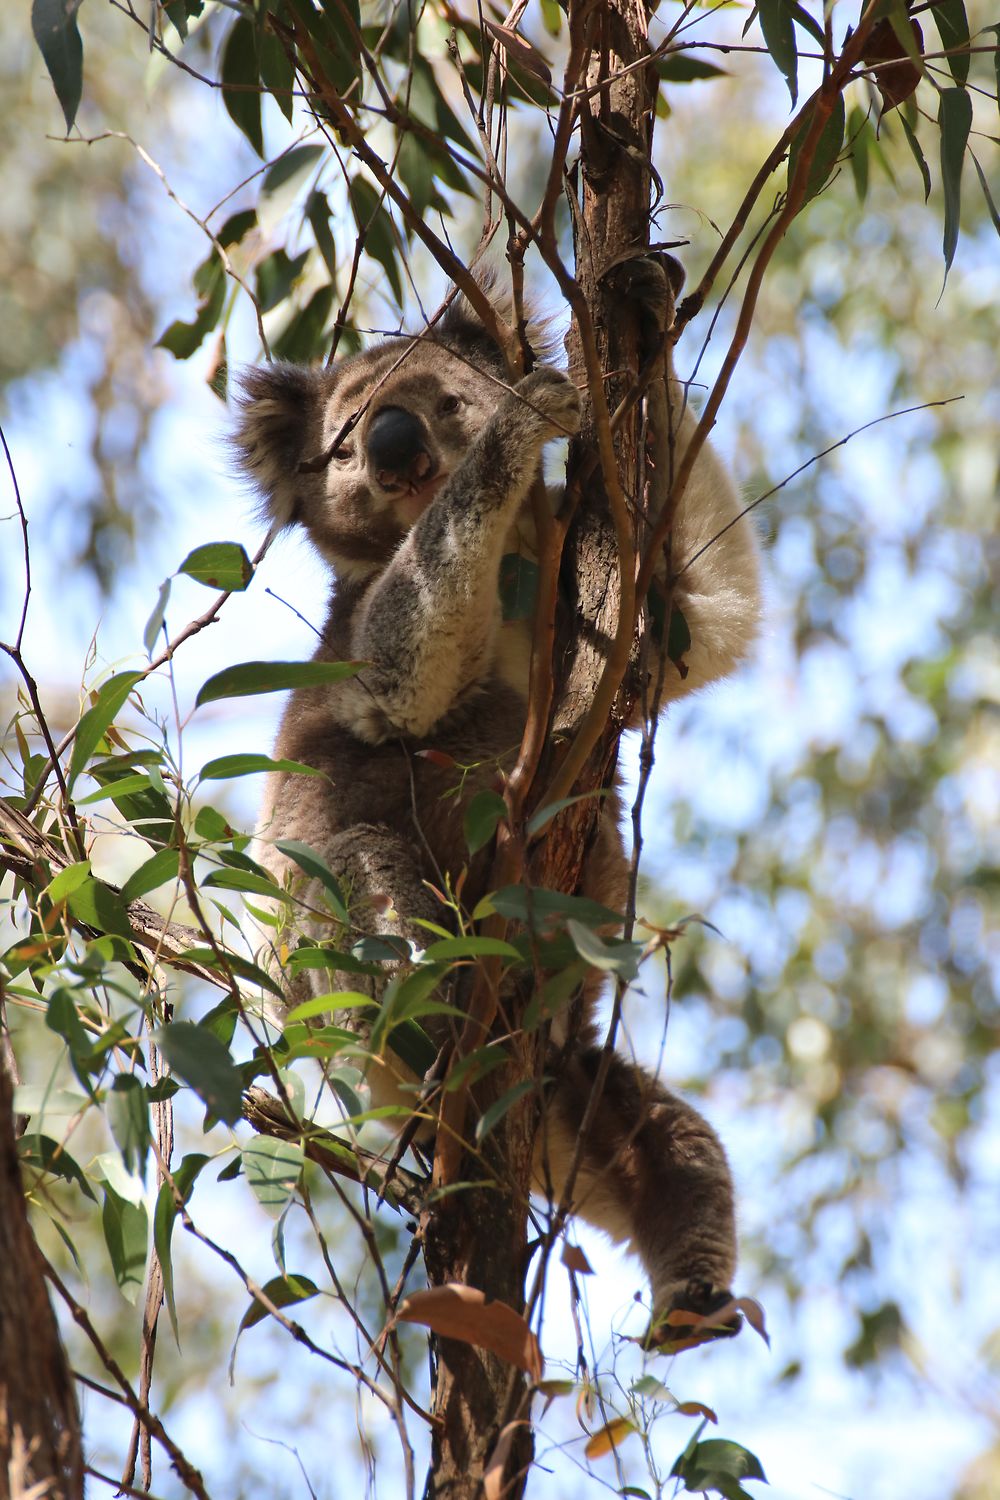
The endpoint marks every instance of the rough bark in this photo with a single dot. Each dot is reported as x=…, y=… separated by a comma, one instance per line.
x=478, y=1236
x=40, y=1439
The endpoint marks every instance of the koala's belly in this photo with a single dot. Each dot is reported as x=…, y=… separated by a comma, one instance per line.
x=417, y=787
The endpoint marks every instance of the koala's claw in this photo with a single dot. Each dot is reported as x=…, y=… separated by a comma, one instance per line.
x=691, y=1319
x=554, y=397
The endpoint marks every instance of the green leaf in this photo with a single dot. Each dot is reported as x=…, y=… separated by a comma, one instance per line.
x=918, y=155
x=287, y=177
x=53, y=23
x=543, y=909
x=198, y=1057
x=375, y=227
x=470, y=947
x=137, y=782
x=518, y=586
x=251, y=677
x=953, y=29
x=955, y=120
x=496, y=1111
x=43, y=1154
x=96, y=720
x=617, y=957
x=273, y=1169
x=155, y=622
x=318, y=214
x=283, y=1291
x=312, y=864
x=241, y=71
x=182, y=339
x=163, y=1223
x=994, y=215
x=219, y=565
x=126, y=1234
x=245, y=880
x=482, y=813
x=227, y=767
x=67, y=881
x=101, y=908
x=128, y=1118
x=305, y=337
x=779, y=38
x=859, y=136
x=828, y=148
x=162, y=866
x=681, y=67
x=717, y=1464
x=543, y=815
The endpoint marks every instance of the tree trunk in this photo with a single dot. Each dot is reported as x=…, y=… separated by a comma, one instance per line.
x=478, y=1236
x=40, y=1439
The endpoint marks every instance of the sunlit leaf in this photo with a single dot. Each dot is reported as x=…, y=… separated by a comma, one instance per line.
x=463, y=1312
x=90, y=730
x=609, y=1438
x=251, y=677
x=219, y=565
x=273, y=1169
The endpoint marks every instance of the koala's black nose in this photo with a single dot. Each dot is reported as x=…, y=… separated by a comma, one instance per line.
x=397, y=445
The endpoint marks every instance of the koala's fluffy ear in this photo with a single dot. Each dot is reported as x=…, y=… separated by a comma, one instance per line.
x=461, y=327
x=280, y=423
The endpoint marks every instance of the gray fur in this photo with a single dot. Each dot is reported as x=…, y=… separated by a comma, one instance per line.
x=415, y=553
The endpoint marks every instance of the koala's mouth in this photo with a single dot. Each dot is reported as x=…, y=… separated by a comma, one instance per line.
x=411, y=499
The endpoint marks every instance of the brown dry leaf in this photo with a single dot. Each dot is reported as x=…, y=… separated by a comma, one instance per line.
x=462, y=1312
x=493, y=1482
x=696, y=1409
x=609, y=1437
x=520, y=51
x=897, y=81
x=574, y=1259
x=438, y=758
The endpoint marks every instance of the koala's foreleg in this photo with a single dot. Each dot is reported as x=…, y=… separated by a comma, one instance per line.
x=652, y=1174
x=428, y=624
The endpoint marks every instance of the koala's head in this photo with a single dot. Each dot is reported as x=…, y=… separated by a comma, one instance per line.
x=408, y=408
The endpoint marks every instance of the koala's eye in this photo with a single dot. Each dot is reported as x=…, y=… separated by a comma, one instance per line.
x=343, y=453
x=450, y=405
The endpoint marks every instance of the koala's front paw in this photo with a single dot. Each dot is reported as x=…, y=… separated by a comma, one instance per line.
x=655, y=281
x=696, y=1314
x=549, y=395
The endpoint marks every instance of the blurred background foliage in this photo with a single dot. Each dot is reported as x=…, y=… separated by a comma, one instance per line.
x=834, y=813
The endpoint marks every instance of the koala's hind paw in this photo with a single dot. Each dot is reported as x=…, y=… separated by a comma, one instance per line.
x=698, y=1314
x=551, y=395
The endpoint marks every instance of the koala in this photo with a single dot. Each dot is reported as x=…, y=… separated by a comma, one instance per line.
x=421, y=498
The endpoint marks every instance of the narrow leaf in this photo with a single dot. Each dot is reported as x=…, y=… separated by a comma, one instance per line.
x=96, y=720
x=155, y=622
x=126, y=1234
x=67, y=881
x=128, y=1117
x=157, y=870
x=483, y=812
x=918, y=155
x=53, y=23
x=240, y=66
x=496, y=1111
x=164, y=1216
x=779, y=38
x=251, y=677
x=955, y=120
x=953, y=29
x=227, y=767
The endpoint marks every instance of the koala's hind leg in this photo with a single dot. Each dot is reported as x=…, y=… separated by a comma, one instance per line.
x=653, y=1175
